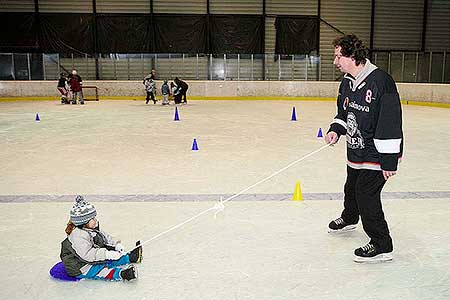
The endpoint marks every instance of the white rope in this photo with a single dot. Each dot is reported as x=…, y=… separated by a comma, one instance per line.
x=276, y=173
x=218, y=207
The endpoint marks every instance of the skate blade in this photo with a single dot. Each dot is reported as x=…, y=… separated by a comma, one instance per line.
x=136, y=273
x=383, y=257
x=345, y=229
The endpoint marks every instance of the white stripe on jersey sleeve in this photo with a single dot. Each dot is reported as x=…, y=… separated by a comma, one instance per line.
x=340, y=122
x=388, y=146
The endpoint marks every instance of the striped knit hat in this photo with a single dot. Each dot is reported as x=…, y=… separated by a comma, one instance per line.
x=82, y=211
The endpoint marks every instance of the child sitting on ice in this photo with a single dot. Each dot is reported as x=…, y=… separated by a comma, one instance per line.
x=91, y=253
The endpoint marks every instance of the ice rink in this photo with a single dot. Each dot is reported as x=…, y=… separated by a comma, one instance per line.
x=135, y=164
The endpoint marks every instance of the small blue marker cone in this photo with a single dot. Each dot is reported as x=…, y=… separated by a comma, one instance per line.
x=194, y=145
x=37, y=118
x=294, y=116
x=319, y=134
x=177, y=117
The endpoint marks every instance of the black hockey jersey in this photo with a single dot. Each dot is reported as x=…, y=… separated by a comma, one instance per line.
x=370, y=115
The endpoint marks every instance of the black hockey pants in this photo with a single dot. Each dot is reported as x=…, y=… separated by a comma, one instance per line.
x=362, y=198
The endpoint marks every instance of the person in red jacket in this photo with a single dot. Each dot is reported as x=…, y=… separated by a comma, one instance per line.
x=76, y=83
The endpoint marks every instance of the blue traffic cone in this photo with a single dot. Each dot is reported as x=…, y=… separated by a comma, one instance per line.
x=176, y=118
x=294, y=116
x=319, y=134
x=37, y=118
x=194, y=145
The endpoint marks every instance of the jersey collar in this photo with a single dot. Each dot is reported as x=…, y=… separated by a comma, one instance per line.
x=355, y=82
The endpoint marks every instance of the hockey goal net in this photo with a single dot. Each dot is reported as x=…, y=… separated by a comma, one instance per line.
x=90, y=93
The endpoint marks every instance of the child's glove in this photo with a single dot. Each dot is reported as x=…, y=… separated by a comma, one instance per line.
x=119, y=247
x=113, y=255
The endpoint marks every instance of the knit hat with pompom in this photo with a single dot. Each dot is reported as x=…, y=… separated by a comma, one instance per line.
x=82, y=211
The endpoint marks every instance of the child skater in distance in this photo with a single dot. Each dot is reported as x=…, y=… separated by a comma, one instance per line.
x=63, y=88
x=165, y=91
x=150, y=88
x=91, y=253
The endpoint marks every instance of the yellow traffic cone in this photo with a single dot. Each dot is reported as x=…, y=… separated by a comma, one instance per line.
x=297, y=192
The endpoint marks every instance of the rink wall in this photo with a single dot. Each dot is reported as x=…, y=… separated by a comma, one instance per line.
x=411, y=93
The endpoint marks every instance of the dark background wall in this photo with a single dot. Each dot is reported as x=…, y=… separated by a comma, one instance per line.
x=222, y=26
x=385, y=24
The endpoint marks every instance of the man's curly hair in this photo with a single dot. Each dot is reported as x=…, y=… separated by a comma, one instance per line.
x=352, y=46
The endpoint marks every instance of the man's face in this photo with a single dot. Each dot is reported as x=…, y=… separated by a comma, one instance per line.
x=344, y=64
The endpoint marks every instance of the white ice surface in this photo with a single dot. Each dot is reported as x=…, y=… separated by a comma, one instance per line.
x=252, y=250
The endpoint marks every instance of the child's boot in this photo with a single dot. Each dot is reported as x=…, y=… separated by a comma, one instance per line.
x=135, y=255
x=129, y=273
